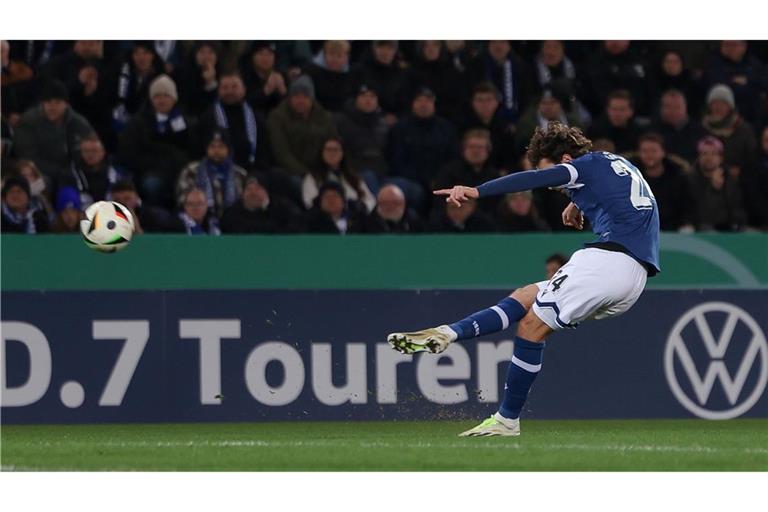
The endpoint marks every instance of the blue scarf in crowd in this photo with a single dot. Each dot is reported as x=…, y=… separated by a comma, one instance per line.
x=173, y=122
x=193, y=228
x=224, y=173
x=20, y=219
x=250, y=125
x=505, y=81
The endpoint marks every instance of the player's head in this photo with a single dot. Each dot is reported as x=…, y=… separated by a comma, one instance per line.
x=553, y=264
x=556, y=144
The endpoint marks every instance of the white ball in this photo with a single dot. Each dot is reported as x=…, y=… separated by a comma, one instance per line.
x=108, y=226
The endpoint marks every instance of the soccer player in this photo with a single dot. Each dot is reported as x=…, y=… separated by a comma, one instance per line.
x=603, y=279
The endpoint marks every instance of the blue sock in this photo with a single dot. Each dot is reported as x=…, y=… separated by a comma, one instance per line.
x=494, y=319
x=522, y=371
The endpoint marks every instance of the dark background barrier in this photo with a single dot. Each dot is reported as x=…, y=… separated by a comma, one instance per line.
x=634, y=366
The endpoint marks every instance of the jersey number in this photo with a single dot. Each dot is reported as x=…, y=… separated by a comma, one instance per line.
x=639, y=193
x=556, y=283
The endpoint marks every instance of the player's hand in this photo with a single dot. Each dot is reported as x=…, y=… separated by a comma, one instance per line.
x=573, y=217
x=458, y=194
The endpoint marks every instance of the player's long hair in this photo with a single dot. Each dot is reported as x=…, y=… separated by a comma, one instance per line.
x=555, y=141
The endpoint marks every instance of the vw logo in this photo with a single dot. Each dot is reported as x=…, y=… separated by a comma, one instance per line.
x=741, y=334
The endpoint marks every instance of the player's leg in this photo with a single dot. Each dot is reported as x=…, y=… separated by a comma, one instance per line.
x=527, y=358
x=487, y=321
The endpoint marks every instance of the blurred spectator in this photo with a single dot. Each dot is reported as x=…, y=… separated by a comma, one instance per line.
x=259, y=212
x=384, y=72
x=216, y=175
x=459, y=54
x=135, y=75
x=669, y=184
x=517, y=213
x=681, y=134
x=332, y=165
x=616, y=65
x=743, y=73
x=420, y=143
x=553, y=263
x=49, y=134
x=39, y=191
x=245, y=127
x=465, y=219
x=15, y=83
x=145, y=218
x=508, y=73
x=555, y=69
x=761, y=183
x=723, y=120
x=485, y=114
x=198, y=77
x=618, y=123
x=392, y=214
x=552, y=105
x=673, y=74
x=156, y=143
x=332, y=213
x=433, y=69
x=474, y=167
x=718, y=198
x=266, y=86
x=18, y=215
x=298, y=127
x=364, y=132
x=68, y=211
x=329, y=71
x=91, y=173
x=195, y=216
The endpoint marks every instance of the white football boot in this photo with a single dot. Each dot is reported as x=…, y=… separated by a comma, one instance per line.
x=434, y=340
x=496, y=425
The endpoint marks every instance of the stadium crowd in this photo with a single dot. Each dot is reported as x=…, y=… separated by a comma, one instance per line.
x=212, y=137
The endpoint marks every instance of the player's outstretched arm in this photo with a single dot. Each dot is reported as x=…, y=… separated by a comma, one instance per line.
x=526, y=180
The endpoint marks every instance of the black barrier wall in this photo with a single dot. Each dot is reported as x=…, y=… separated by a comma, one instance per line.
x=278, y=355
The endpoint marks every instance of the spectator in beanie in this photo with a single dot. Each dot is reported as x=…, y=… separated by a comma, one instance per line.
x=485, y=114
x=517, y=213
x=618, y=123
x=681, y=134
x=508, y=73
x=39, y=191
x=553, y=264
x=364, y=132
x=384, y=72
x=91, y=173
x=195, y=217
x=18, y=216
x=136, y=73
x=724, y=121
x=50, y=133
x=198, y=77
x=231, y=113
x=433, y=69
x=265, y=85
x=718, y=198
x=670, y=185
x=449, y=218
x=259, y=212
x=553, y=105
x=145, y=218
x=615, y=66
x=392, y=214
x=329, y=71
x=419, y=144
x=156, y=143
x=474, y=167
x=743, y=73
x=216, y=175
x=68, y=211
x=332, y=213
x=298, y=128
x=333, y=165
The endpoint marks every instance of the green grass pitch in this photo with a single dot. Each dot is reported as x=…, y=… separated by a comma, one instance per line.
x=638, y=445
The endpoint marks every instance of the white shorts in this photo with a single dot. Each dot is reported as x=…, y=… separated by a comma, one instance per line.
x=595, y=283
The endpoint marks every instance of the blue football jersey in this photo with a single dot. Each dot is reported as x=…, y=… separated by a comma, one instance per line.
x=615, y=198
